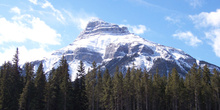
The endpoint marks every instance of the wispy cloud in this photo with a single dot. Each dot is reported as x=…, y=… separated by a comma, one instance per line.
x=66, y=17
x=147, y=3
x=4, y=5
x=81, y=19
x=172, y=20
x=55, y=12
x=16, y=10
x=33, y=1
x=188, y=38
x=195, y=3
x=151, y=5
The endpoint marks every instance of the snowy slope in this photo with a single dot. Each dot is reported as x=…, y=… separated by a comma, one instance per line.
x=110, y=45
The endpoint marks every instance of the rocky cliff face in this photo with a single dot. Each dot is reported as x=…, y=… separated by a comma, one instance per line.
x=99, y=27
x=110, y=45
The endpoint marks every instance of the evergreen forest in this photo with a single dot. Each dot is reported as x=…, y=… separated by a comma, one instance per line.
x=26, y=89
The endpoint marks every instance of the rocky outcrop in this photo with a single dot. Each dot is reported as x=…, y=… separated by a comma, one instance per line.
x=96, y=27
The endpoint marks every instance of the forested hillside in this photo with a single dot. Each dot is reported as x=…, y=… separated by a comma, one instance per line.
x=136, y=90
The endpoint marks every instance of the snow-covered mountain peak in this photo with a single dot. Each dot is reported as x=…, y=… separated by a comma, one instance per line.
x=100, y=27
x=110, y=45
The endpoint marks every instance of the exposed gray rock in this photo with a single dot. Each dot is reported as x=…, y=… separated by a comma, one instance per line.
x=101, y=27
x=121, y=50
x=87, y=55
x=147, y=51
x=110, y=50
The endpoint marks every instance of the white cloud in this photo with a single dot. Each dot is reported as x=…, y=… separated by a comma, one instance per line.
x=188, y=37
x=16, y=10
x=214, y=36
x=205, y=19
x=32, y=54
x=6, y=55
x=27, y=27
x=211, y=22
x=138, y=29
x=25, y=55
x=22, y=28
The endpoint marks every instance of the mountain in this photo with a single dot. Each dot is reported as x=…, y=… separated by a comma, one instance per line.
x=110, y=45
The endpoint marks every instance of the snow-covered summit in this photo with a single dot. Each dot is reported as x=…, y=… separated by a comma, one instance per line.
x=98, y=26
x=110, y=45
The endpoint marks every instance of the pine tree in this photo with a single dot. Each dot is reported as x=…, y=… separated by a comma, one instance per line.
x=11, y=78
x=26, y=98
x=159, y=91
x=5, y=94
x=98, y=89
x=53, y=91
x=189, y=91
x=16, y=79
x=147, y=85
x=206, y=88
x=65, y=84
x=106, y=99
x=215, y=83
x=175, y=88
x=48, y=89
x=137, y=88
x=133, y=71
x=128, y=89
x=40, y=93
x=118, y=89
x=88, y=89
x=80, y=99
x=182, y=95
x=90, y=86
x=168, y=92
x=193, y=87
x=121, y=91
x=162, y=94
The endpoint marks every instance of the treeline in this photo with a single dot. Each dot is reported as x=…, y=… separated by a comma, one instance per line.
x=135, y=90
x=140, y=90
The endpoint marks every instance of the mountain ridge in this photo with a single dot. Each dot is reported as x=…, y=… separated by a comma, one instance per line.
x=99, y=26
x=110, y=45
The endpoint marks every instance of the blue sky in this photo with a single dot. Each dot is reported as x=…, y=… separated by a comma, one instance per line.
x=39, y=27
